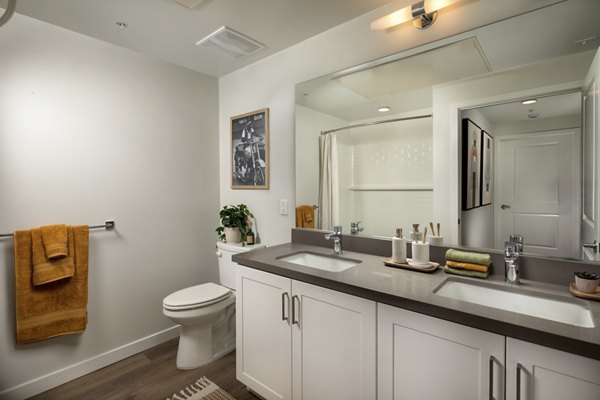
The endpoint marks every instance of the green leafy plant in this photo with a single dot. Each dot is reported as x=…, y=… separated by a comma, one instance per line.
x=587, y=275
x=234, y=217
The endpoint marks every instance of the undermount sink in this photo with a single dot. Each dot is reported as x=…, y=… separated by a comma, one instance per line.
x=572, y=312
x=320, y=261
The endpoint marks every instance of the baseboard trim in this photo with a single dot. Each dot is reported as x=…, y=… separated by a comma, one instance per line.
x=63, y=375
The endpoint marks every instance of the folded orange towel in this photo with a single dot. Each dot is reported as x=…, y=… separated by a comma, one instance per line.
x=55, y=241
x=305, y=216
x=468, y=266
x=46, y=270
x=54, y=309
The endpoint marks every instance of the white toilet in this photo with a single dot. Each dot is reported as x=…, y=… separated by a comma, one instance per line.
x=206, y=313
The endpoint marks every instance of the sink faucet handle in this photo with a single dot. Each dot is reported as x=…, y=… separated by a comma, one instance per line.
x=337, y=229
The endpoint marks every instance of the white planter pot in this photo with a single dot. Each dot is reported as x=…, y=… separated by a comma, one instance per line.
x=232, y=235
x=586, y=285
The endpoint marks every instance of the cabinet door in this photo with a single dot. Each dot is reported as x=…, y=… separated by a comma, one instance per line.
x=424, y=358
x=263, y=339
x=549, y=374
x=334, y=348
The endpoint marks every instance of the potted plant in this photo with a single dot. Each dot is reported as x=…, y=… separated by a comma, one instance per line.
x=586, y=282
x=234, y=223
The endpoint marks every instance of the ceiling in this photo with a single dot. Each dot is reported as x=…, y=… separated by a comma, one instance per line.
x=169, y=31
x=546, y=107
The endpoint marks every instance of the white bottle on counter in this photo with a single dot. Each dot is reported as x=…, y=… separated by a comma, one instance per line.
x=399, y=248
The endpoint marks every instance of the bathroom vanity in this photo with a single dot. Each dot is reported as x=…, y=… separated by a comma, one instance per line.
x=372, y=331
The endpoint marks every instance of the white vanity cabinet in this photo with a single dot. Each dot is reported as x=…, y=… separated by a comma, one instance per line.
x=536, y=372
x=424, y=358
x=300, y=341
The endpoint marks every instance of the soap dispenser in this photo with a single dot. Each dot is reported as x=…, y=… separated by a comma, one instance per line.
x=399, y=248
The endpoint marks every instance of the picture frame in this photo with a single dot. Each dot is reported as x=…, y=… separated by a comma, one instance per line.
x=487, y=168
x=471, y=164
x=250, y=150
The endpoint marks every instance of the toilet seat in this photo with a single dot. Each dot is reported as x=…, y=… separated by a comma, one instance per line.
x=196, y=297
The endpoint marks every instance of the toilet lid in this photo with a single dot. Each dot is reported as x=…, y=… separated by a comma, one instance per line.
x=196, y=296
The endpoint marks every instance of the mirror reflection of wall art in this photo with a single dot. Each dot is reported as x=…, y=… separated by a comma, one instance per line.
x=487, y=172
x=471, y=163
x=250, y=150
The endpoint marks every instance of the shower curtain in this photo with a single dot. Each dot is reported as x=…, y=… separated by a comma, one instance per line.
x=328, y=182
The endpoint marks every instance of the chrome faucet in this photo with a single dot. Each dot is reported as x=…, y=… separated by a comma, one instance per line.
x=336, y=235
x=355, y=228
x=511, y=262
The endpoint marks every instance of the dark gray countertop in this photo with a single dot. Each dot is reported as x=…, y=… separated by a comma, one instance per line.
x=414, y=291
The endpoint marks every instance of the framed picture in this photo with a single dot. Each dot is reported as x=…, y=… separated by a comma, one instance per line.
x=471, y=165
x=487, y=169
x=250, y=150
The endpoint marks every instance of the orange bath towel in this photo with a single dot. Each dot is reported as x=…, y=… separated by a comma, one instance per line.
x=56, y=308
x=469, y=266
x=46, y=270
x=305, y=217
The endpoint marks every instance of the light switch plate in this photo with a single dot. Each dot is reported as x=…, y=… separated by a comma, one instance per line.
x=283, y=206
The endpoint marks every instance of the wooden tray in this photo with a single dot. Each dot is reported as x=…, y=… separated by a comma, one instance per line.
x=390, y=263
x=579, y=293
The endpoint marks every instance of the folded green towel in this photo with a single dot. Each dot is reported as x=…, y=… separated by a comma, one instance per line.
x=465, y=272
x=468, y=257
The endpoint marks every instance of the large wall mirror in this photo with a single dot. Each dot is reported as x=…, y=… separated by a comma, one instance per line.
x=487, y=133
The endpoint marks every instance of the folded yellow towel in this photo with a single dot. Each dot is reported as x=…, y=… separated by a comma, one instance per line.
x=46, y=270
x=54, y=309
x=55, y=241
x=305, y=217
x=468, y=266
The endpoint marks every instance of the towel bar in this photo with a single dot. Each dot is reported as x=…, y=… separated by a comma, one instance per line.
x=108, y=225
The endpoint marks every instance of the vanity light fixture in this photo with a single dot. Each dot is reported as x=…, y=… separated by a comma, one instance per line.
x=422, y=13
x=383, y=109
x=529, y=101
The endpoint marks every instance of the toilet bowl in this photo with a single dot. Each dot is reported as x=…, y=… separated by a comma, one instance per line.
x=206, y=313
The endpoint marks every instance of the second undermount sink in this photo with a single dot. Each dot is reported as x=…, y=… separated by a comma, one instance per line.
x=567, y=311
x=320, y=261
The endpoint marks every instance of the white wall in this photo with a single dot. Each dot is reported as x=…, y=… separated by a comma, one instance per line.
x=91, y=131
x=270, y=83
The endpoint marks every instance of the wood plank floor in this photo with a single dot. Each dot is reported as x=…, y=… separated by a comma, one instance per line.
x=149, y=375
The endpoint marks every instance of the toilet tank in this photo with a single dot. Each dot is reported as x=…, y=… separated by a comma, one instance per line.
x=228, y=268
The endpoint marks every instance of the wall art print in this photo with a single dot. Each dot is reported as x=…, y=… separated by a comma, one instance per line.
x=250, y=150
x=487, y=171
x=471, y=165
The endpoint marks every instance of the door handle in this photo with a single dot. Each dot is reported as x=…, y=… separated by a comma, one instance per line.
x=294, y=298
x=519, y=369
x=504, y=206
x=491, y=380
x=284, y=317
x=593, y=245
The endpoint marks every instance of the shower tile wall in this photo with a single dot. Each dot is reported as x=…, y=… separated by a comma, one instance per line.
x=386, y=174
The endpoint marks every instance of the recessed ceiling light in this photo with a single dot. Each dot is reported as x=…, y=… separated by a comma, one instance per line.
x=383, y=109
x=529, y=101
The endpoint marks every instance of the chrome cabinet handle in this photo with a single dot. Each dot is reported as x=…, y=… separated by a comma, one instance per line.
x=593, y=245
x=284, y=317
x=294, y=320
x=504, y=206
x=519, y=369
x=491, y=389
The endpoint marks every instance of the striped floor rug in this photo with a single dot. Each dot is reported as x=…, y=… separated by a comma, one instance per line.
x=202, y=389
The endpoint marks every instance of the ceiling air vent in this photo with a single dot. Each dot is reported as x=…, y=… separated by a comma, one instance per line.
x=229, y=43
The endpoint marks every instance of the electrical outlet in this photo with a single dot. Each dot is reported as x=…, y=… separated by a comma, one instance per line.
x=283, y=206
